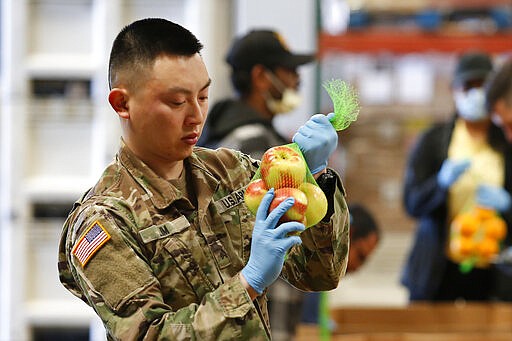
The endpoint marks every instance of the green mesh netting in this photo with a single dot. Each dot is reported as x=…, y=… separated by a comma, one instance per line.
x=346, y=103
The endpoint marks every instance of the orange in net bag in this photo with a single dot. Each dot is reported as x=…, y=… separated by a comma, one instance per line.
x=475, y=238
x=284, y=169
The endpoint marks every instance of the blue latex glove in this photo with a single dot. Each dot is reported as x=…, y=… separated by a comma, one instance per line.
x=450, y=172
x=317, y=140
x=269, y=243
x=493, y=197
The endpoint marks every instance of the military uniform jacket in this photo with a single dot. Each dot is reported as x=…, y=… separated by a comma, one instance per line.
x=154, y=267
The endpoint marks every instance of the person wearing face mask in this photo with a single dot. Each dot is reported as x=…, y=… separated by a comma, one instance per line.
x=264, y=74
x=453, y=167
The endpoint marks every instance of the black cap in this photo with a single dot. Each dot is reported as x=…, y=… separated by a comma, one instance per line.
x=264, y=47
x=472, y=66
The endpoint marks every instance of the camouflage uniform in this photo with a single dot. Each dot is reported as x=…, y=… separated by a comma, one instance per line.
x=169, y=270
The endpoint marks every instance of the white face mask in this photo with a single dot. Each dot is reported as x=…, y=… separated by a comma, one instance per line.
x=289, y=101
x=471, y=104
x=496, y=119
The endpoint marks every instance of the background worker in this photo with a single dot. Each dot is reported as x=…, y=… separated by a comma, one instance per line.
x=454, y=167
x=152, y=247
x=265, y=77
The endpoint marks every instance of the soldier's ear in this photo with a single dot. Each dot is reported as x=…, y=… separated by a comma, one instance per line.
x=118, y=99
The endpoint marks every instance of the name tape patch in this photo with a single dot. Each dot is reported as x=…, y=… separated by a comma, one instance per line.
x=161, y=231
x=93, y=239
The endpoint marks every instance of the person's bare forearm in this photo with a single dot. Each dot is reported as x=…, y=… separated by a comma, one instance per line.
x=252, y=293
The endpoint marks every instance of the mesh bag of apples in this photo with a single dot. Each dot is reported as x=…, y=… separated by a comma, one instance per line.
x=475, y=238
x=284, y=169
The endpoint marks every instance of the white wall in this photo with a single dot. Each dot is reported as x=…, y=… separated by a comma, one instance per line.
x=211, y=21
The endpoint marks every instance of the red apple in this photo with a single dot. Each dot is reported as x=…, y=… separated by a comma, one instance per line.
x=283, y=166
x=317, y=203
x=254, y=193
x=298, y=211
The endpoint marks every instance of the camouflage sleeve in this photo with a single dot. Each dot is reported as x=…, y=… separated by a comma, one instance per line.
x=119, y=284
x=320, y=261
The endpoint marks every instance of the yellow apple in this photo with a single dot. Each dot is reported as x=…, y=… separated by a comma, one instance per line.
x=317, y=203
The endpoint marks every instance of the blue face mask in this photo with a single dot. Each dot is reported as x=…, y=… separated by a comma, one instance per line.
x=471, y=104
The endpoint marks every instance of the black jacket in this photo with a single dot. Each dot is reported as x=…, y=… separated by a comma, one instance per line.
x=234, y=124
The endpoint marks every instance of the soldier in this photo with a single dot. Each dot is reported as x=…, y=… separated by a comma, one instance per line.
x=163, y=246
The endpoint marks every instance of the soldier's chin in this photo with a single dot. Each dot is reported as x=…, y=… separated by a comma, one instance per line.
x=186, y=152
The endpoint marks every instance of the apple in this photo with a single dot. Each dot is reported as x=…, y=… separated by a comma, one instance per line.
x=254, y=193
x=295, y=213
x=317, y=203
x=283, y=166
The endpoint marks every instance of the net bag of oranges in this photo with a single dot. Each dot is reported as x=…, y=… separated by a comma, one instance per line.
x=475, y=238
x=285, y=169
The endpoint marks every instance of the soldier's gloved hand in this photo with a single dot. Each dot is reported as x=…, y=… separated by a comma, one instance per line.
x=317, y=139
x=493, y=197
x=269, y=243
x=450, y=171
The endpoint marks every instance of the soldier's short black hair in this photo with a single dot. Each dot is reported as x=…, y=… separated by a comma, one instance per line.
x=141, y=42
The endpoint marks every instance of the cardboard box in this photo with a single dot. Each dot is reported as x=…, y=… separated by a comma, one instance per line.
x=420, y=322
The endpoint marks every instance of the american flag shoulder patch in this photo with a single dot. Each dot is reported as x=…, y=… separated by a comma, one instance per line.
x=91, y=241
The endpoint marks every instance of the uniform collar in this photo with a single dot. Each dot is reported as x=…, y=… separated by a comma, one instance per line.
x=161, y=192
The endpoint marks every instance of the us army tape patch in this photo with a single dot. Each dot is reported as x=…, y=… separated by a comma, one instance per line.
x=92, y=240
x=231, y=200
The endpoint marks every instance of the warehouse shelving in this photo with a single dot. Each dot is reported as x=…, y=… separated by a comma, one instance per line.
x=401, y=41
x=388, y=50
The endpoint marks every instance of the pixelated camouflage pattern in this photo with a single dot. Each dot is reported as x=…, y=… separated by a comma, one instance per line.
x=170, y=271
